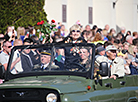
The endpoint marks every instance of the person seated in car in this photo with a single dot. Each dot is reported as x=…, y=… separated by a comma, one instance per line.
x=60, y=57
x=45, y=64
x=26, y=60
x=115, y=64
x=85, y=59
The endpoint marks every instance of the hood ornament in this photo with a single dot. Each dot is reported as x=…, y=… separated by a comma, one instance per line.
x=20, y=93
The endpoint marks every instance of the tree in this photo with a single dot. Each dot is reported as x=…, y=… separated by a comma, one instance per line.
x=20, y=13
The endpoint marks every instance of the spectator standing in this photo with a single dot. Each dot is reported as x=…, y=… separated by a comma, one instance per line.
x=126, y=65
x=2, y=39
x=21, y=33
x=4, y=56
x=134, y=66
x=72, y=55
x=17, y=67
x=87, y=28
x=122, y=32
x=135, y=35
x=10, y=34
x=95, y=28
x=112, y=32
x=107, y=27
x=98, y=39
x=129, y=39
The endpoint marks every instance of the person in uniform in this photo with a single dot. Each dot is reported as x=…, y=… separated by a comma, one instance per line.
x=46, y=63
x=85, y=58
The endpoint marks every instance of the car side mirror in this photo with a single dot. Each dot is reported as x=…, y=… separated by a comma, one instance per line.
x=2, y=72
x=103, y=69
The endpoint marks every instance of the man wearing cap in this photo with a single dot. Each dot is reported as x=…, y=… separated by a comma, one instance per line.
x=100, y=51
x=115, y=64
x=45, y=58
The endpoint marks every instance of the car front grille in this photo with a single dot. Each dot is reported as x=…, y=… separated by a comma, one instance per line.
x=25, y=95
x=21, y=101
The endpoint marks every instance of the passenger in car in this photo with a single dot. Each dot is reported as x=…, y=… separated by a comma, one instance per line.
x=60, y=57
x=45, y=64
x=26, y=60
x=85, y=58
x=115, y=64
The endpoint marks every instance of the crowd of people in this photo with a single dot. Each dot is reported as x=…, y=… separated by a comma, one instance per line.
x=119, y=50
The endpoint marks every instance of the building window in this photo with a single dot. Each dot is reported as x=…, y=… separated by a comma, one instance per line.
x=64, y=13
x=90, y=15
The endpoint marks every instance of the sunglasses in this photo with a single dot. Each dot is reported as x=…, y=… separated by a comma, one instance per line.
x=113, y=51
x=76, y=31
x=9, y=46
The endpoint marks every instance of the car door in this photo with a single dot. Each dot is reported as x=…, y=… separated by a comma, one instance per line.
x=123, y=89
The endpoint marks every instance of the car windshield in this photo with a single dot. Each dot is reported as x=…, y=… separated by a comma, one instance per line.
x=54, y=58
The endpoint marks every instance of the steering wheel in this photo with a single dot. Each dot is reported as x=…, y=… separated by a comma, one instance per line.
x=80, y=67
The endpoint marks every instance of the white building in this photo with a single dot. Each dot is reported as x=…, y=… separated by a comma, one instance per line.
x=115, y=13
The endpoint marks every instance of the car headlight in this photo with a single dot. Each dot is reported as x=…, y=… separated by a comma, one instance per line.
x=51, y=97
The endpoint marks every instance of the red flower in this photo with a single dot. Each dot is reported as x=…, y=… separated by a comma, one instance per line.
x=38, y=23
x=53, y=21
x=42, y=22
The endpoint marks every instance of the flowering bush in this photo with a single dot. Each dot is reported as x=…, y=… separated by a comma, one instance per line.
x=46, y=28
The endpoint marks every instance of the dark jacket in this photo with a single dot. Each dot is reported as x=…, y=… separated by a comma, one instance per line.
x=71, y=55
x=26, y=61
x=133, y=69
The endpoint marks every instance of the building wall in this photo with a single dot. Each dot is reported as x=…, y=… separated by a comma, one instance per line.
x=53, y=9
x=104, y=13
x=125, y=13
x=76, y=10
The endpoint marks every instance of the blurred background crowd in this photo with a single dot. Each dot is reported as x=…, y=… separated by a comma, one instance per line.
x=126, y=42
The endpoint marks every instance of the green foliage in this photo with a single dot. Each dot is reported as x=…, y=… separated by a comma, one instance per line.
x=20, y=13
x=46, y=28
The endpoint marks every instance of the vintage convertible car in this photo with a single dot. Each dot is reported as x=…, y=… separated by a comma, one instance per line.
x=62, y=73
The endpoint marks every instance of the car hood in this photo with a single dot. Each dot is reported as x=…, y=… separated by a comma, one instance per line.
x=63, y=84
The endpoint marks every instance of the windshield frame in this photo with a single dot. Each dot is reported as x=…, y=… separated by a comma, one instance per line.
x=88, y=74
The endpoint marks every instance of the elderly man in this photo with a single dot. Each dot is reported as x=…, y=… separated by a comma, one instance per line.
x=115, y=64
x=129, y=39
x=45, y=58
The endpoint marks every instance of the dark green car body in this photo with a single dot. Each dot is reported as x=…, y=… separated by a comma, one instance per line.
x=68, y=87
